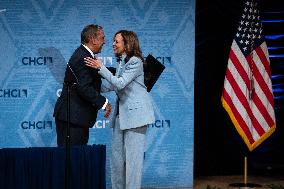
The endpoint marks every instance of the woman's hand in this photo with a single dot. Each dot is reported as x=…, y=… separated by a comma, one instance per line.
x=93, y=63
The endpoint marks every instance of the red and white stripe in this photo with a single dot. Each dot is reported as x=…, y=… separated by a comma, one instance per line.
x=253, y=116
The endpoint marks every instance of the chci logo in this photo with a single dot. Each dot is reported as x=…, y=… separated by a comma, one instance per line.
x=160, y=124
x=13, y=93
x=36, y=125
x=36, y=61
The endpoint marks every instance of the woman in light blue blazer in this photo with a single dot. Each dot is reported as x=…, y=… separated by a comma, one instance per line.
x=132, y=113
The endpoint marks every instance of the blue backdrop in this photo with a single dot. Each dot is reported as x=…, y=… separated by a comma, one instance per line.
x=37, y=39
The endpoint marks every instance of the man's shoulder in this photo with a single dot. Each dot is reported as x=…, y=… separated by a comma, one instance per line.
x=78, y=55
x=80, y=51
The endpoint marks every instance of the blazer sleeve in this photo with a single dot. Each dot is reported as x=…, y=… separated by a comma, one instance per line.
x=107, y=86
x=85, y=86
x=133, y=68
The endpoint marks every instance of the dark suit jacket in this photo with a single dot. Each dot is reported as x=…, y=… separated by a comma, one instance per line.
x=85, y=98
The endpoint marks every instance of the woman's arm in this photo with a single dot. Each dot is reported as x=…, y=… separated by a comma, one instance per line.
x=133, y=68
x=106, y=86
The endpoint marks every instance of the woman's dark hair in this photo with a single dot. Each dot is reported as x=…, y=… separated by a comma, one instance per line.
x=131, y=43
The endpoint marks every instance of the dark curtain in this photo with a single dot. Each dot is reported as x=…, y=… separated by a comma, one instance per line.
x=218, y=148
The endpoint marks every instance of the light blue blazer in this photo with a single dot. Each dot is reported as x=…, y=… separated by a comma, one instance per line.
x=135, y=107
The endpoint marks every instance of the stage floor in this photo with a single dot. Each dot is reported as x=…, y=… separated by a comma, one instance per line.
x=223, y=182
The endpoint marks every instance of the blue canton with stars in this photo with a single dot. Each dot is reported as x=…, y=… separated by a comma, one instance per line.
x=249, y=34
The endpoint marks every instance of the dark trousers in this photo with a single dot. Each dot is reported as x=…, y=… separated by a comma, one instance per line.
x=78, y=135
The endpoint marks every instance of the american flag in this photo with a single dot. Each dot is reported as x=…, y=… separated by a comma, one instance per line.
x=247, y=95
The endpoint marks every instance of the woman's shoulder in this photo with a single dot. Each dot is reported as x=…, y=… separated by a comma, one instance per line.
x=134, y=63
x=134, y=59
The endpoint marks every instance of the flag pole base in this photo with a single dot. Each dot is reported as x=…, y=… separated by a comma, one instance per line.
x=245, y=185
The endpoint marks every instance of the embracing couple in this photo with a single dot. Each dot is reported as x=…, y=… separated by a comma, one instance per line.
x=133, y=109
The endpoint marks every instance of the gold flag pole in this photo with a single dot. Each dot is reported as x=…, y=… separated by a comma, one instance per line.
x=245, y=171
x=245, y=183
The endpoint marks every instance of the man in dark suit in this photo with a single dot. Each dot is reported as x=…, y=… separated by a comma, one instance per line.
x=85, y=86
